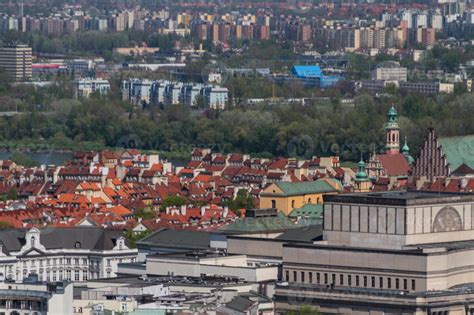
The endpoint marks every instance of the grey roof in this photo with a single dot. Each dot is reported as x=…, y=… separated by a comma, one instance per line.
x=179, y=239
x=63, y=238
x=240, y=304
x=400, y=198
x=304, y=234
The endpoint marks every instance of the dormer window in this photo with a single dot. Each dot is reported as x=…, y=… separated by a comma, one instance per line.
x=77, y=245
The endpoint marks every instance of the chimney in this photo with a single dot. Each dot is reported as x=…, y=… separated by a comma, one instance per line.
x=203, y=211
x=167, y=210
x=183, y=210
x=225, y=212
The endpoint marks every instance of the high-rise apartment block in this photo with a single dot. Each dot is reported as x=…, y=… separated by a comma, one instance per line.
x=15, y=60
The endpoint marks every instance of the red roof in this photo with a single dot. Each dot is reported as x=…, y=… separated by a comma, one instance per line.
x=394, y=164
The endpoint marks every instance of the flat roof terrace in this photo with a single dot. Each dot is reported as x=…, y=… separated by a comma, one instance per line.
x=400, y=198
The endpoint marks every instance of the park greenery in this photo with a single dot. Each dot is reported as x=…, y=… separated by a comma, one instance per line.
x=323, y=127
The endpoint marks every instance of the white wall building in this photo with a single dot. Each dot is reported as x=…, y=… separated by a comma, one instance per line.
x=76, y=254
x=85, y=87
x=36, y=298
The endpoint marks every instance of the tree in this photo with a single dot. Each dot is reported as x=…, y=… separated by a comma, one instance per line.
x=144, y=214
x=172, y=201
x=243, y=200
x=24, y=160
x=5, y=225
x=134, y=237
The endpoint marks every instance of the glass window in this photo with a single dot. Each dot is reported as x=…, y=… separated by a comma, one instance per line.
x=413, y=284
x=357, y=281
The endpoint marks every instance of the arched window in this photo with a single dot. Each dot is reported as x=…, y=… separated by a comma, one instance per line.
x=32, y=241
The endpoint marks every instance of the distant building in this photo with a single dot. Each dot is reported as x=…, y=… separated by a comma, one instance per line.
x=378, y=86
x=314, y=76
x=16, y=61
x=34, y=297
x=136, y=51
x=75, y=254
x=441, y=157
x=173, y=93
x=390, y=72
x=389, y=253
x=216, y=97
x=287, y=196
x=137, y=91
x=85, y=87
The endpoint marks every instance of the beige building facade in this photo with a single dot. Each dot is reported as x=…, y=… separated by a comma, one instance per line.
x=385, y=253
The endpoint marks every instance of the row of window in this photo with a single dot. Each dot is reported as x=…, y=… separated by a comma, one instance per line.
x=59, y=276
x=59, y=261
x=68, y=262
x=351, y=280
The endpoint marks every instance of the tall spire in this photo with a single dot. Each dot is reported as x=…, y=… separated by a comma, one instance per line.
x=392, y=132
x=361, y=173
x=406, y=152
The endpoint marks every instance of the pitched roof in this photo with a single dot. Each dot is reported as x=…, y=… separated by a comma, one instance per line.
x=303, y=188
x=259, y=225
x=179, y=239
x=56, y=238
x=394, y=164
x=312, y=211
x=458, y=150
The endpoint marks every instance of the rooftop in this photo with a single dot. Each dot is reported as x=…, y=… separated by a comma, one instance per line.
x=400, y=198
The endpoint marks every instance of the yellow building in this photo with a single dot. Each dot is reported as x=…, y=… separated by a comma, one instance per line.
x=286, y=196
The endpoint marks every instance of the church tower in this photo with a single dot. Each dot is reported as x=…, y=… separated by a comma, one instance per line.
x=362, y=180
x=392, y=133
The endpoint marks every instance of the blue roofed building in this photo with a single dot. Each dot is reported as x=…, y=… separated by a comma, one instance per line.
x=304, y=72
x=312, y=75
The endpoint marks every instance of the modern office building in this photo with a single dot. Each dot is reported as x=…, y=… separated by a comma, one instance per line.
x=390, y=71
x=16, y=61
x=397, y=252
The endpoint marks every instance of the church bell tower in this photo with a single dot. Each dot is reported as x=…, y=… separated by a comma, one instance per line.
x=392, y=133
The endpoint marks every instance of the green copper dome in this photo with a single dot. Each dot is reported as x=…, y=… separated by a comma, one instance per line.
x=405, y=148
x=392, y=119
x=406, y=153
x=361, y=175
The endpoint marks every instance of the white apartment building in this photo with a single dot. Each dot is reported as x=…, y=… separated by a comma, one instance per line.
x=85, y=87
